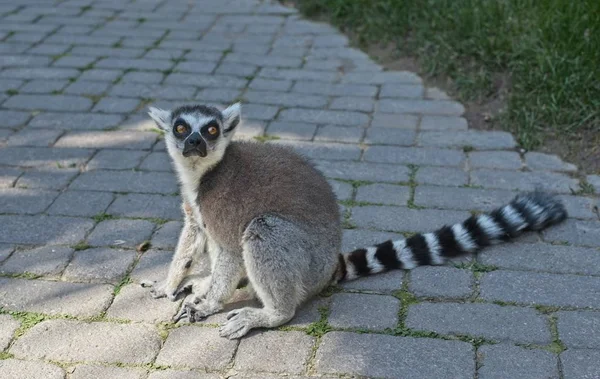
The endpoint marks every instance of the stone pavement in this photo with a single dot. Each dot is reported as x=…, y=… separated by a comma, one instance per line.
x=84, y=180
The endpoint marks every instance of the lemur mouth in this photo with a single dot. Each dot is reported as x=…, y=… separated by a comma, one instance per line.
x=194, y=153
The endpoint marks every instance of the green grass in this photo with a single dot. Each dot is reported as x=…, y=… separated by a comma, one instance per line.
x=545, y=51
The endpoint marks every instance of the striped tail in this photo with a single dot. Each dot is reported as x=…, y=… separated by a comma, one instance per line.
x=530, y=211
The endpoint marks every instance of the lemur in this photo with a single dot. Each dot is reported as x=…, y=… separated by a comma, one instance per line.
x=262, y=212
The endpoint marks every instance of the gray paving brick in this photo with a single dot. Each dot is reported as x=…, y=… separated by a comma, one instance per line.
x=288, y=352
x=308, y=312
x=18, y=369
x=390, y=136
x=331, y=151
x=55, y=297
x=121, y=233
x=25, y=201
x=211, y=81
x=22, y=60
x=134, y=303
x=116, y=105
x=5, y=251
x=441, y=282
x=49, y=49
x=146, y=206
x=143, y=77
x=196, y=67
x=77, y=121
x=543, y=257
x=321, y=88
x=9, y=176
x=13, y=119
x=331, y=133
x=50, y=178
x=74, y=61
x=373, y=312
x=502, y=323
x=580, y=364
x=364, y=171
x=14, y=48
x=50, y=230
x=580, y=207
x=34, y=137
x=414, y=155
x=343, y=191
x=171, y=374
x=401, y=91
x=508, y=160
x=393, y=357
x=579, y=329
x=429, y=122
x=286, y=99
x=324, y=117
x=116, y=159
x=45, y=86
x=153, y=265
x=157, y=162
x=136, y=64
x=594, y=180
x=99, y=265
x=385, y=282
x=270, y=84
x=66, y=103
x=297, y=74
x=87, y=87
x=100, y=75
x=483, y=140
x=218, y=95
x=363, y=104
x=167, y=235
x=506, y=361
x=10, y=84
x=405, y=219
x=237, y=69
x=292, y=130
x=428, y=107
x=71, y=341
x=524, y=181
x=46, y=261
x=195, y=347
x=8, y=325
x=461, y=198
x=383, y=194
x=384, y=77
x=541, y=161
x=105, y=372
x=113, y=139
x=39, y=73
x=540, y=288
x=126, y=181
x=80, y=203
x=442, y=176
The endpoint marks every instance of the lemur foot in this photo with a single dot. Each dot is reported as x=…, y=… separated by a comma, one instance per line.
x=195, y=309
x=238, y=324
x=160, y=290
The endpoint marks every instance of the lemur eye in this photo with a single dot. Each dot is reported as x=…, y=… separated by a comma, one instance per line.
x=212, y=130
x=181, y=129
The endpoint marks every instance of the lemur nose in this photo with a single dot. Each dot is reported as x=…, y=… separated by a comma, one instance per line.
x=194, y=139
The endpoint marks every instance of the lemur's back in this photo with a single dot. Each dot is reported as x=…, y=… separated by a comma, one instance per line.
x=255, y=179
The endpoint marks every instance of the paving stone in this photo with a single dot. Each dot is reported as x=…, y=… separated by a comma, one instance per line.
x=45, y=261
x=441, y=282
x=218, y=95
x=324, y=117
x=43, y=86
x=383, y=194
x=393, y=357
x=322, y=88
x=105, y=372
x=25, y=201
x=210, y=81
x=414, y=155
x=483, y=140
x=323, y=150
x=115, y=159
x=146, y=206
x=157, y=162
x=508, y=160
x=51, y=178
x=286, y=99
x=405, y=219
x=137, y=64
x=39, y=73
x=382, y=77
x=402, y=91
x=164, y=54
x=541, y=161
x=80, y=203
x=259, y=112
x=171, y=374
x=116, y=105
x=386, y=282
x=364, y=171
x=114, y=139
x=13, y=119
x=100, y=75
x=543, y=257
x=167, y=235
x=100, y=264
x=343, y=191
x=580, y=207
x=270, y=84
x=49, y=102
x=87, y=87
x=594, y=180
x=507, y=361
x=77, y=121
x=9, y=176
x=524, y=181
x=429, y=107
x=282, y=352
x=461, y=198
x=49, y=229
x=5, y=251
x=373, y=312
x=55, y=298
x=121, y=232
x=429, y=122
x=362, y=104
x=8, y=326
x=390, y=136
x=579, y=329
x=76, y=341
x=502, y=323
x=292, y=130
x=34, y=137
x=74, y=61
x=18, y=369
x=442, y=176
x=153, y=265
x=195, y=347
x=126, y=181
x=297, y=74
x=580, y=364
x=540, y=288
x=576, y=232
x=134, y=303
x=343, y=134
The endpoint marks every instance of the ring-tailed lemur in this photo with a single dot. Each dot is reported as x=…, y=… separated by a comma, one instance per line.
x=263, y=212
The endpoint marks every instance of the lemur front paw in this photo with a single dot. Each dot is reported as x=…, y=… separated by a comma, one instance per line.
x=160, y=290
x=196, y=310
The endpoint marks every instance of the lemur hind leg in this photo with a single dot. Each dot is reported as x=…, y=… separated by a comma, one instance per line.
x=278, y=263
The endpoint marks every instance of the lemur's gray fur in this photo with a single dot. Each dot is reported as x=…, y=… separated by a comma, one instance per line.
x=261, y=211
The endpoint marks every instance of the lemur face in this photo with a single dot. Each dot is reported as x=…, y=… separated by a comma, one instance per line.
x=198, y=130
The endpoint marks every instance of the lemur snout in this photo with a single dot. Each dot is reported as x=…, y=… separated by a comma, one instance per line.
x=194, y=145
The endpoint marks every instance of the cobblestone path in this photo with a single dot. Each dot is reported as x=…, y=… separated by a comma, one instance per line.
x=84, y=180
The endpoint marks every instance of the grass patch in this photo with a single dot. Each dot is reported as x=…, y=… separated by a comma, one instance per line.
x=103, y=217
x=12, y=92
x=28, y=320
x=319, y=328
x=266, y=138
x=5, y=355
x=540, y=58
x=125, y=281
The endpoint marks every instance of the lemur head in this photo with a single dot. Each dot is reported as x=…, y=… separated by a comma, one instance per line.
x=197, y=132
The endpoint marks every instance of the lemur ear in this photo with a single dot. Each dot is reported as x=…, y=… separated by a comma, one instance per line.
x=232, y=116
x=161, y=117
